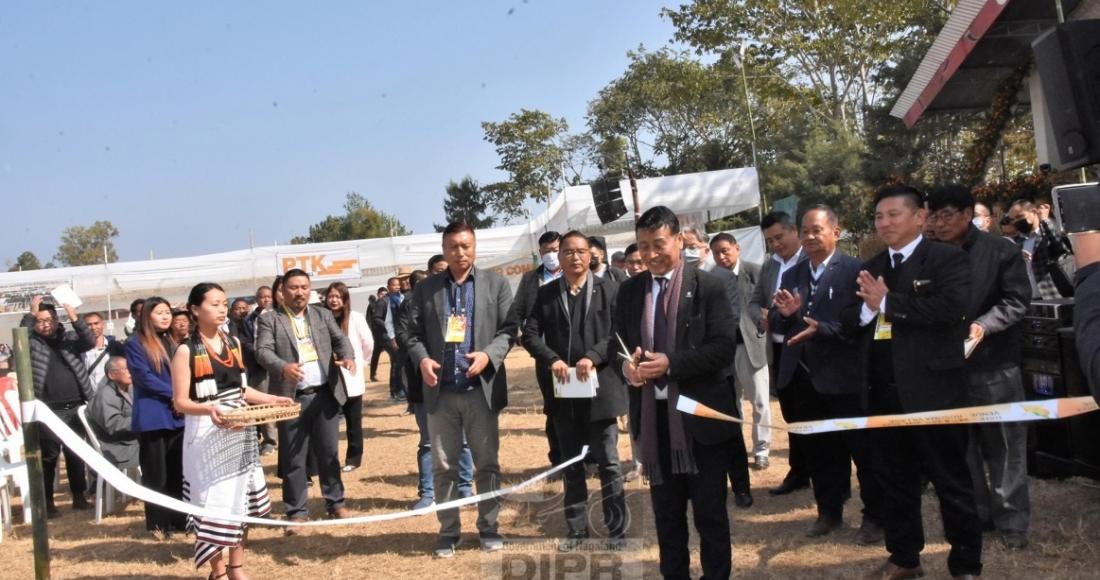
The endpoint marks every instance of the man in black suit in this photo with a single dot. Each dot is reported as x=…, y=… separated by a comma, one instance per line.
x=548, y=271
x=999, y=296
x=820, y=375
x=570, y=328
x=912, y=312
x=599, y=264
x=677, y=324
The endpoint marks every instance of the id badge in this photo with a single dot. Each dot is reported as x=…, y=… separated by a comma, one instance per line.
x=307, y=351
x=456, y=328
x=883, y=328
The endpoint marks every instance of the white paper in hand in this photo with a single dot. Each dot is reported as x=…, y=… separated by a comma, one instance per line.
x=64, y=295
x=575, y=388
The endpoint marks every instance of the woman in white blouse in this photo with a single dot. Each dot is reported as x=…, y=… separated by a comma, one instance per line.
x=358, y=332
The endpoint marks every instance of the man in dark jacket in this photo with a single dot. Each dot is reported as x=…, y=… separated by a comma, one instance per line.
x=547, y=271
x=61, y=381
x=999, y=296
x=819, y=374
x=257, y=374
x=911, y=316
x=569, y=332
x=678, y=326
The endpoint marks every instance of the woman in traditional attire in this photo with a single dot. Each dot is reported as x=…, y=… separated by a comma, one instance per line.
x=221, y=466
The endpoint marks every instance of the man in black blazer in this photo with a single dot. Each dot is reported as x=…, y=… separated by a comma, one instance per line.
x=999, y=296
x=819, y=374
x=911, y=310
x=677, y=324
x=548, y=271
x=458, y=336
x=570, y=327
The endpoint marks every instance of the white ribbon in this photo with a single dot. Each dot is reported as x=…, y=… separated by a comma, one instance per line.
x=127, y=486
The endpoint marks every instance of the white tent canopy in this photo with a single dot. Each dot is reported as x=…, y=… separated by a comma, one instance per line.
x=368, y=263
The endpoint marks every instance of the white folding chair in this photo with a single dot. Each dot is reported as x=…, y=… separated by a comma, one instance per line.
x=13, y=470
x=104, y=494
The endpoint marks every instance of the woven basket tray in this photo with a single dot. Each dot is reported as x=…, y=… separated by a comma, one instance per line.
x=260, y=414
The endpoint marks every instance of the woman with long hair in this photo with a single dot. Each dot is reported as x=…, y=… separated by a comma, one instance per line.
x=221, y=466
x=158, y=427
x=358, y=332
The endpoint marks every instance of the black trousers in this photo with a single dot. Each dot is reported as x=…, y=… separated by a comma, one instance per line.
x=797, y=456
x=315, y=432
x=546, y=386
x=353, y=417
x=830, y=455
x=575, y=430
x=379, y=340
x=51, y=452
x=900, y=457
x=739, y=456
x=160, y=454
x=706, y=490
x=398, y=357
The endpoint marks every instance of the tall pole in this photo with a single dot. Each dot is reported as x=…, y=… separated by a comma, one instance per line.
x=762, y=207
x=107, y=276
x=32, y=455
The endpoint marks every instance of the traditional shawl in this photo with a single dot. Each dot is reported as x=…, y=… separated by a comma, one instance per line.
x=682, y=460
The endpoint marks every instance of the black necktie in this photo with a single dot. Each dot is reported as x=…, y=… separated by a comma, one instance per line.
x=898, y=258
x=660, y=323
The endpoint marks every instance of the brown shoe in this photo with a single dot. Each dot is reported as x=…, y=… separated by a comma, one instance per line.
x=340, y=513
x=294, y=530
x=891, y=571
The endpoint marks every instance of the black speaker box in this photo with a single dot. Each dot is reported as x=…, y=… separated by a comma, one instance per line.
x=1068, y=61
x=607, y=196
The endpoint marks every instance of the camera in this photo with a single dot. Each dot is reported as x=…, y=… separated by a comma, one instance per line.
x=1077, y=208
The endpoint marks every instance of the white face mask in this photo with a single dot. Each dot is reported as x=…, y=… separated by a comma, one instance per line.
x=550, y=261
x=691, y=254
x=978, y=222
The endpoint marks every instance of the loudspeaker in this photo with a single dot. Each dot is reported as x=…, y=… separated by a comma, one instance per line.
x=1068, y=61
x=607, y=196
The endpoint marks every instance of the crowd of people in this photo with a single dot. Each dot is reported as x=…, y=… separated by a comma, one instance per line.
x=932, y=322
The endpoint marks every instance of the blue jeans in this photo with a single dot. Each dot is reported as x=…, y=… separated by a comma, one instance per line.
x=426, y=487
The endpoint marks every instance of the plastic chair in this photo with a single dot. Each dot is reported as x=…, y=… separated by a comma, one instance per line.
x=104, y=493
x=13, y=470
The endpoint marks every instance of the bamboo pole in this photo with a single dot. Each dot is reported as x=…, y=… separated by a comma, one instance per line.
x=32, y=456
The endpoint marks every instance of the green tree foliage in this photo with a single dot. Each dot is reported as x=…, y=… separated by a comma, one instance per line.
x=532, y=153
x=26, y=261
x=83, y=246
x=834, y=49
x=466, y=203
x=359, y=221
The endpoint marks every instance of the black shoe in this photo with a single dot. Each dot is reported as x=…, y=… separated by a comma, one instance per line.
x=870, y=533
x=1014, y=540
x=80, y=503
x=823, y=526
x=789, y=485
x=742, y=500
x=51, y=511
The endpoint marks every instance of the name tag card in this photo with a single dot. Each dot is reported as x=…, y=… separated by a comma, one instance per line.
x=456, y=328
x=883, y=329
x=575, y=388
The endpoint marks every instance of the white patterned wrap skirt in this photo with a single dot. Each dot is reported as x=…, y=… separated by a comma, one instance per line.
x=221, y=472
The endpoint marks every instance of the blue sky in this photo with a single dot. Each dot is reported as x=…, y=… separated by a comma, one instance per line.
x=188, y=123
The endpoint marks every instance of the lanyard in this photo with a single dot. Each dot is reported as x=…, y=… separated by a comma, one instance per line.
x=457, y=297
x=300, y=332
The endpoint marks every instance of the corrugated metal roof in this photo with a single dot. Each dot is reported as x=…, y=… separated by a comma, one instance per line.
x=936, y=65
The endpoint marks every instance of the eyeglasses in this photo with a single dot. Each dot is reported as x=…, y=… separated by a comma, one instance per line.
x=571, y=253
x=943, y=215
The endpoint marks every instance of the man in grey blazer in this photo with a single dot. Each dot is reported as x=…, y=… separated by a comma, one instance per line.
x=300, y=344
x=458, y=335
x=782, y=238
x=751, y=362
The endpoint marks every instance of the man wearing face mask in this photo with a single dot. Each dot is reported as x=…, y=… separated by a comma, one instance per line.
x=1042, y=249
x=548, y=271
x=983, y=218
x=599, y=265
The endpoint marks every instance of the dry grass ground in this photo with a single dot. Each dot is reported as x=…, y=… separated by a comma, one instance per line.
x=768, y=538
